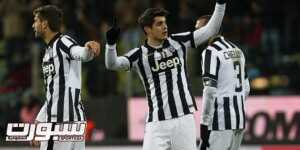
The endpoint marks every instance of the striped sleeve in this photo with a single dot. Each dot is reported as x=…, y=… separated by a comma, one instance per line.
x=133, y=55
x=66, y=43
x=210, y=67
x=187, y=38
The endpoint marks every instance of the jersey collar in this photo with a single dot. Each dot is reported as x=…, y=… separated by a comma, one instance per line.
x=50, y=44
x=166, y=44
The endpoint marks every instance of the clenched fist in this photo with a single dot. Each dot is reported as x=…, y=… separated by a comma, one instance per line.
x=93, y=47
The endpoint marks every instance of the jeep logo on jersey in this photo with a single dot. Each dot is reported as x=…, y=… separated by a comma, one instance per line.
x=166, y=63
x=48, y=69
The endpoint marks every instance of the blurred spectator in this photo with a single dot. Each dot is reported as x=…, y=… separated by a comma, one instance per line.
x=13, y=13
x=30, y=107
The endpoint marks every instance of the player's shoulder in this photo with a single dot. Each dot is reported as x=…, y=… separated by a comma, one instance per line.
x=219, y=44
x=182, y=36
x=67, y=39
x=134, y=51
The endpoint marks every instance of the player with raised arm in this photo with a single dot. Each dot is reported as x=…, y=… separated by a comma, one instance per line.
x=161, y=64
x=61, y=68
x=226, y=87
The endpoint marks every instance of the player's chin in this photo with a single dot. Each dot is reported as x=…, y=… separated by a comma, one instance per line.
x=164, y=36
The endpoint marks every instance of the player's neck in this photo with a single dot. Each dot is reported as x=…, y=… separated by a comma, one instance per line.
x=49, y=36
x=154, y=43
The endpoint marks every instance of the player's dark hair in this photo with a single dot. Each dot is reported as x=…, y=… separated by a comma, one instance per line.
x=147, y=18
x=52, y=14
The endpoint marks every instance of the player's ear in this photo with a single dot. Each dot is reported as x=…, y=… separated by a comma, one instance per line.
x=44, y=24
x=147, y=29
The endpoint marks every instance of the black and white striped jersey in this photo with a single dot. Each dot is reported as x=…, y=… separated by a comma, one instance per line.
x=62, y=78
x=163, y=72
x=223, y=67
x=163, y=69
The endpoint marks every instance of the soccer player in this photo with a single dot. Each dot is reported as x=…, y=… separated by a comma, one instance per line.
x=226, y=87
x=61, y=68
x=161, y=65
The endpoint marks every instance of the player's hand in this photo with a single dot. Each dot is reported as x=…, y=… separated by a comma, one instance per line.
x=204, y=137
x=93, y=46
x=221, y=1
x=113, y=33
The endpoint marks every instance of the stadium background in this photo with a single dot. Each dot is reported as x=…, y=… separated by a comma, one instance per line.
x=267, y=30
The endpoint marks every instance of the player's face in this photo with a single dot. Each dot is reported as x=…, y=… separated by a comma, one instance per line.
x=159, y=29
x=38, y=26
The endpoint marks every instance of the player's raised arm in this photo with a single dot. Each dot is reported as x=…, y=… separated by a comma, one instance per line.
x=112, y=61
x=213, y=26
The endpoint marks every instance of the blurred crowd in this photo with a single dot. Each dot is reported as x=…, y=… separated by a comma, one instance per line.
x=268, y=31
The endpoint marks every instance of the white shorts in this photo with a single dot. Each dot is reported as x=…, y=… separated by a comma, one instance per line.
x=225, y=140
x=58, y=145
x=173, y=134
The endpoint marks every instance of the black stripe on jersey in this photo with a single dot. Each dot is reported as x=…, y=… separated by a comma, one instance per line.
x=246, y=72
x=227, y=113
x=161, y=115
x=207, y=59
x=185, y=106
x=76, y=103
x=189, y=36
x=64, y=48
x=133, y=57
x=50, y=142
x=147, y=87
x=236, y=110
x=223, y=43
x=215, y=123
x=71, y=112
x=207, y=65
x=171, y=100
x=49, y=105
x=82, y=110
x=61, y=88
x=218, y=67
x=243, y=109
x=232, y=46
x=74, y=41
x=218, y=48
x=229, y=42
x=186, y=75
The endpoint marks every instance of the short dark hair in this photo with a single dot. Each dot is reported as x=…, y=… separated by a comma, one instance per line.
x=147, y=18
x=52, y=14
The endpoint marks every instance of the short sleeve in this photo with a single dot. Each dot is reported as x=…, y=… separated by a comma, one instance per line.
x=210, y=64
x=66, y=43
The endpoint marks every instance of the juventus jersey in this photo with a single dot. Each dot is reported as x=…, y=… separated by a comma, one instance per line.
x=62, y=78
x=163, y=72
x=223, y=66
x=163, y=69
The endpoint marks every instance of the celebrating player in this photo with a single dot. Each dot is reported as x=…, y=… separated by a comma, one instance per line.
x=161, y=65
x=62, y=74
